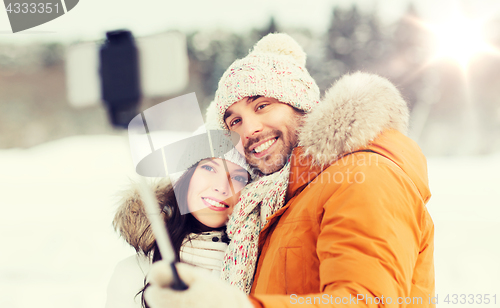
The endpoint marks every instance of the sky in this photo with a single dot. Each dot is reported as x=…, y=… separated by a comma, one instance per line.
x=90, y=19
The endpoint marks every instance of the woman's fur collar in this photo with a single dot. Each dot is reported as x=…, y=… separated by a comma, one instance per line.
x=131, y=220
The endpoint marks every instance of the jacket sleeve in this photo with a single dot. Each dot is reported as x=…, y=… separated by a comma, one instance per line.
x=126, y=282
x=368, y=244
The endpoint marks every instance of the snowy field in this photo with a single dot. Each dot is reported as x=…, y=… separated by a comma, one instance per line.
x=59, y=248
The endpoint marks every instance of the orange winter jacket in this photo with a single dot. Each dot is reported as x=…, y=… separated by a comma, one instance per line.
x=357, y=234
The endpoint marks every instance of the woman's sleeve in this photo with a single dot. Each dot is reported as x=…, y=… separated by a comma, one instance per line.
x=127, y=280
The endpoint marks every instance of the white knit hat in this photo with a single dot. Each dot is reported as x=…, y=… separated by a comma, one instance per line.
x=208, y=141
x=183, y=154
x=276, y=69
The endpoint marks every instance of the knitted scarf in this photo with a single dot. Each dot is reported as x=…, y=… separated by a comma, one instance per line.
x=258, y=201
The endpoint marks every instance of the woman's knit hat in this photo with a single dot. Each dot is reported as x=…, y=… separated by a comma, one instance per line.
x=275, y=68
x=185, y=153
x=207, y=142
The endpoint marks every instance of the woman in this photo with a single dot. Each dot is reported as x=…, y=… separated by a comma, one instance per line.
x=195, y=210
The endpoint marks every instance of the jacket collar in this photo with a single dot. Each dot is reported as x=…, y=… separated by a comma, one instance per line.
x=302, y=172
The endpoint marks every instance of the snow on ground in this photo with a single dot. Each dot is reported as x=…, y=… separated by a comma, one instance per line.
x=59, y=248
x=465, y=207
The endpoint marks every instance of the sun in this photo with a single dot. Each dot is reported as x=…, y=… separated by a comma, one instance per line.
x=460, y=39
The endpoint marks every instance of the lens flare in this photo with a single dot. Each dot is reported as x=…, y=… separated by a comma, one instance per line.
x=460, y=39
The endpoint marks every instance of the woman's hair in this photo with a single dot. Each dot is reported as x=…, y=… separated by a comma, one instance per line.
x=179, y=225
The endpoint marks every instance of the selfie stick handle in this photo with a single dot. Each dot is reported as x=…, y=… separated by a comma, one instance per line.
x=160, y=231
x=177, y=283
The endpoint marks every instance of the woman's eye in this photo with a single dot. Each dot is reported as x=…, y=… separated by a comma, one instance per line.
x=262, y=106
x=207, y=167
x=241, y=179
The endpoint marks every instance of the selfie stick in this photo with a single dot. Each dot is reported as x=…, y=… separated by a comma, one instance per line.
x=121, y=93
x=160, y=231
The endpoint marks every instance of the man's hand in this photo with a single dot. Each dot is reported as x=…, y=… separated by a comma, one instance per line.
x=204, y=291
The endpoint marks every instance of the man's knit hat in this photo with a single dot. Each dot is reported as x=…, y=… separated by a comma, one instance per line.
x=275, y=68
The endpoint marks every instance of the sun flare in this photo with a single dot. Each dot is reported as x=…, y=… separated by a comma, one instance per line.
x=459, y=39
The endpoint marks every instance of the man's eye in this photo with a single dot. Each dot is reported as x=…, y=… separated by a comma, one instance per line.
x=234, y=122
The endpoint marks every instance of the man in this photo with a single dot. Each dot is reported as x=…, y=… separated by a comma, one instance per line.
x=338, y=216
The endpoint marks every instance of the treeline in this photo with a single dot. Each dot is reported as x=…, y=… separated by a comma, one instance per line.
x=449, y=114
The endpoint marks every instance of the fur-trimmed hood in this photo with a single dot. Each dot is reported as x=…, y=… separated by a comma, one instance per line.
x=353, y=112
x=131, y=220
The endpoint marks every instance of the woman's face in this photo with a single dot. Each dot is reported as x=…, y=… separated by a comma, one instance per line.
x=213, y=191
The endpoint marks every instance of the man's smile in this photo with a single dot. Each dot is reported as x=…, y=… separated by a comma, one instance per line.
x=264, y=145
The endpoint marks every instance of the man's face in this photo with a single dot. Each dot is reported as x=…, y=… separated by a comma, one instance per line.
x=268, y=130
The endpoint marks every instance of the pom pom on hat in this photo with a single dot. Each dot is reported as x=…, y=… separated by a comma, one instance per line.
x=281, y=44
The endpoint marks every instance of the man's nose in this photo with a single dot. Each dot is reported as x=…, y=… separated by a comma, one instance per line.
x=252, y=126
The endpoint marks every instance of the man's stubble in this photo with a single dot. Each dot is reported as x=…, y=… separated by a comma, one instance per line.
x=275, y=161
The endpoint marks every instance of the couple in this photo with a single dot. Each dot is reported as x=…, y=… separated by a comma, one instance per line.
x=336, y=214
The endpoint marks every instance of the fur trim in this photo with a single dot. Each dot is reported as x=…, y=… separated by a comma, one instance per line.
x=131, y=220
x=355, y=110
